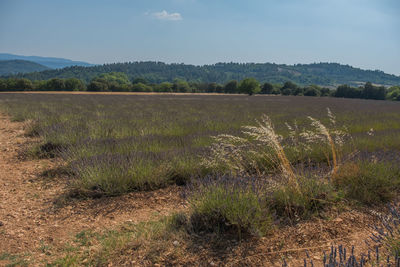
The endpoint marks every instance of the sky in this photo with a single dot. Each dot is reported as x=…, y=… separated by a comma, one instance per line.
x=361, y=33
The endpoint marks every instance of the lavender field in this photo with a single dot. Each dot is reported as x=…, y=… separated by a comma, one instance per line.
x=245, y=164
x=116, y=144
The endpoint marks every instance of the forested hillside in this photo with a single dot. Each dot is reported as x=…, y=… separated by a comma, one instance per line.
x=8, y=67
x=156, y=72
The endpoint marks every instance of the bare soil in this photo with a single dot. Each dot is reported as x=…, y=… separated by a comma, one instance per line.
x=292, y=243
x=31, y=215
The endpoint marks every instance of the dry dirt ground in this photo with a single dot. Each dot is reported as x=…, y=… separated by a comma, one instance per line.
x=31, y=216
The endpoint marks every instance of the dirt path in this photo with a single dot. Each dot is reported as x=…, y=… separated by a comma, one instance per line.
x=29, y=217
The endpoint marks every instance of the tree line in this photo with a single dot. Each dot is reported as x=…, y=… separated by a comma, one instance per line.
x=119, y=82
x=158, y=72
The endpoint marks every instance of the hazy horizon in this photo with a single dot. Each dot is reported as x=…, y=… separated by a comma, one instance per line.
x=363, y=34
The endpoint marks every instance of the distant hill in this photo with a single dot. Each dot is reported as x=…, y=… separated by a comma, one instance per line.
x=8, y=67
x=50, y=62
x=326, y=74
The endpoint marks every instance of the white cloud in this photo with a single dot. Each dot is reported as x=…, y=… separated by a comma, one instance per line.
x=164, y=15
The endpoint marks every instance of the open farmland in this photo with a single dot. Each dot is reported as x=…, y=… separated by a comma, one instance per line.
x=102, y=151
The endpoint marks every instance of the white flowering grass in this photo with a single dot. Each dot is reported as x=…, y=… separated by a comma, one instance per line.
x=261, y=143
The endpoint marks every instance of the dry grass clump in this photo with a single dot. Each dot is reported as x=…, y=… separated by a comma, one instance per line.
x=368, y=182
x=265, y=134
x=334, y=138
x=258, y=150
x=261, y=151
x=311, y=197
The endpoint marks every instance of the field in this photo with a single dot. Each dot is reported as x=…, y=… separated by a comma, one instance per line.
x=174, y=179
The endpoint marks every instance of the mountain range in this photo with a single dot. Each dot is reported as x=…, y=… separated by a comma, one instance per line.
x=49, y=62
x=19, y=66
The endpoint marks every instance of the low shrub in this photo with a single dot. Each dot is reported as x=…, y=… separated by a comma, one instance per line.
x=117, y=174
x=226, y=205
x=368, y=182
x=310, y=197
x=181, y=170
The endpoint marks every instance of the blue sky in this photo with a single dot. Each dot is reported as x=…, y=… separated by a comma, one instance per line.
x=362, y=33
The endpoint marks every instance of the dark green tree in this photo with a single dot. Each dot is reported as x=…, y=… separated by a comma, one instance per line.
x=40, y=85
x=74, y=84
x=140, y=80
x=181, y=86
x=249, y=86
x=289, y=88
x=325, y=91
x=312, y=91
x=3, y=85
x=115, y=77
x=55, y=84
x=393, y=93
x=97, y=86
x=212, y=87
x=141, y=87
x=276, y=91
x=298, y=91
x=231, y=87
x=289, y=85
x=286, y=91
x=267, y=88
x=348, y=92
x=164, y=87
x=373, y=92
x=219, y=88
x=23, y=84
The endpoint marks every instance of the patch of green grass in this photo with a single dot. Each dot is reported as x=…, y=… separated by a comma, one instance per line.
x=14, y=260
x=84, y=237
x=66, y=261
x=116, y=246
x=44, y=248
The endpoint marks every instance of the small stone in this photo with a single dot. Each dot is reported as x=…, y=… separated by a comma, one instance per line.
x=338, y=220
x=1, y=223
x=212, y=263
x=175, y=243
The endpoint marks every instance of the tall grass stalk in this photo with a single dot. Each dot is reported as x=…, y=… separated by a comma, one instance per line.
x=265, y=133
x=261, y=144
